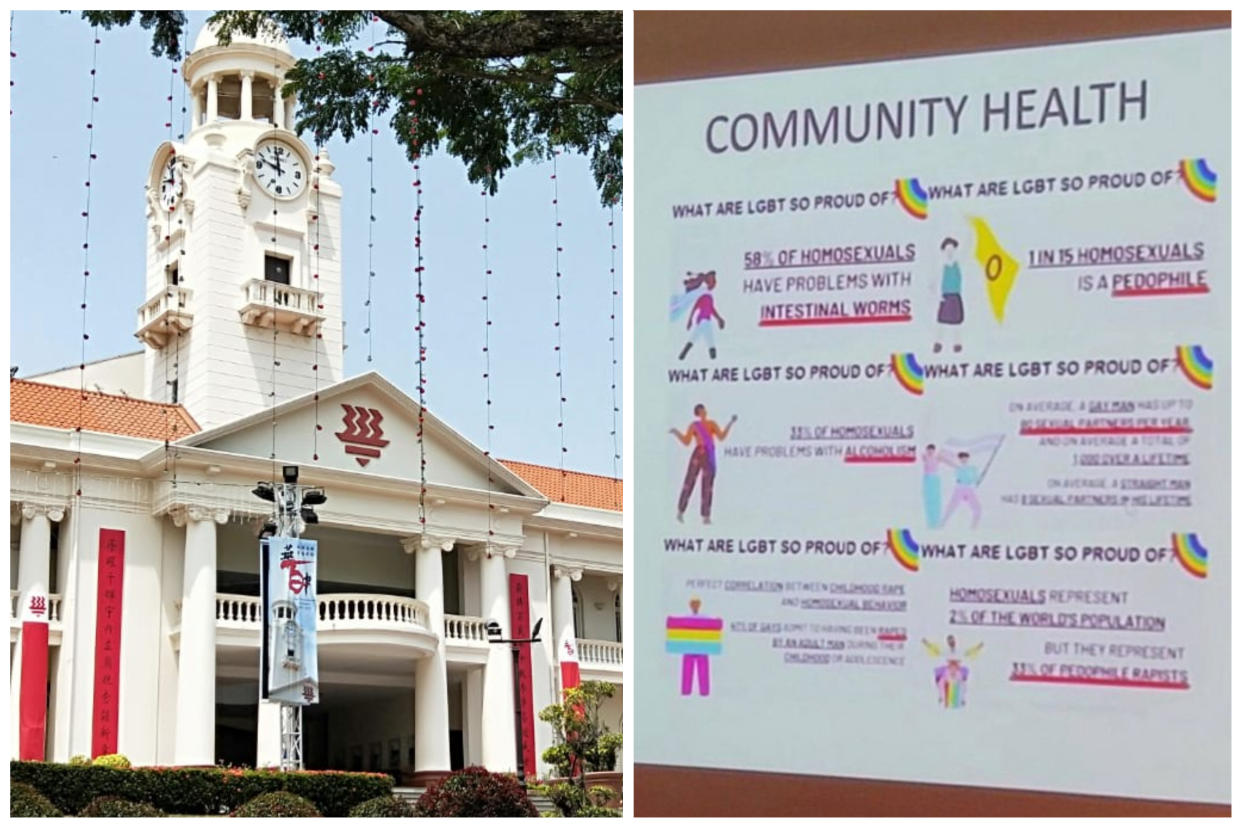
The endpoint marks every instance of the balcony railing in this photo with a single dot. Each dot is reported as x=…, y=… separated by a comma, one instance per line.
x=336, y=611
x=465, y=629
x=164, y=315
x=53, y=608
x=601, y=654
x=268, y=304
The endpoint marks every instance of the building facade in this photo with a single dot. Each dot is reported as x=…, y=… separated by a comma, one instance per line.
x=136, y=531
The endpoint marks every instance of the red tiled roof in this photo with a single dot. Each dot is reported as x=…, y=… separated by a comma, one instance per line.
x=578, y=488
x=54, y=406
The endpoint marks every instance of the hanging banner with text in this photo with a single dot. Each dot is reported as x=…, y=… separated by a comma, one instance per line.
x=519, y=624
x=289, y=652
x=933, y=420
x=108, y=605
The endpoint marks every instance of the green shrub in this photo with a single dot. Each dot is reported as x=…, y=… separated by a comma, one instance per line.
x=78, y=759
x=111, y=760
x=196, y=790
x=475, y=792
x=277, y=804
x=114, y=806
x=575, y=800
x=383, y=806
x=25, y=801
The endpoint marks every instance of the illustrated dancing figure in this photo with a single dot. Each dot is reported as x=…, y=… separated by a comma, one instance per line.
x=702, y=465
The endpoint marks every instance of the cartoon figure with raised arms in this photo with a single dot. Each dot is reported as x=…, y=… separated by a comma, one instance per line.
x=704, y=433
x=952, y=675
x=700, y=301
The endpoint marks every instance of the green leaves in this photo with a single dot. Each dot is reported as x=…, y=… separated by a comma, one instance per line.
x=493, y=88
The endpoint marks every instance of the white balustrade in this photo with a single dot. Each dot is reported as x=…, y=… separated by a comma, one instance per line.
x=53, y=607
x=269, y=304
x=609, y=653
x=465, y=629
x=165, y=311
x=343, y=610
x=238, y=609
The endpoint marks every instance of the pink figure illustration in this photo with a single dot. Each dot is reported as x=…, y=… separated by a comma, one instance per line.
x=704, y=433
x=965, y=491
x=694, y=638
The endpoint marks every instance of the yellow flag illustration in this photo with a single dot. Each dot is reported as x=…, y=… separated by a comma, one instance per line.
x=1000, y=270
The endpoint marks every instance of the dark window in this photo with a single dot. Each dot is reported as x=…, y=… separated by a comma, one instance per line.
x=172, y=385
x=616, y=605
x=172, y=273
x=276, y=269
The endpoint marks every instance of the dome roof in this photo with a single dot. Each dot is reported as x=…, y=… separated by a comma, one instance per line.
x=272, y=39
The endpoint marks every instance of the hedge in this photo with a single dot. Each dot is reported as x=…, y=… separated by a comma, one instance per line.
x=114, y=806
x=25, y=801
x=383, y=806
x=475, y=792
x=196, y=790
x=277, y=804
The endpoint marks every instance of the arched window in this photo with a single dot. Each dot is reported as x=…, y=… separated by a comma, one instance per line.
x=579, y=626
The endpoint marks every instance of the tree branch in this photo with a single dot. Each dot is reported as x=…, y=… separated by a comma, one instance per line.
x=507, y=35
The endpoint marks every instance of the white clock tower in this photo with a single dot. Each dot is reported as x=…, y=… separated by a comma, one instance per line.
x=243, y=243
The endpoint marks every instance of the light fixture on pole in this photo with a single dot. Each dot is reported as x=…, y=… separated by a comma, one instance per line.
x=495, y=635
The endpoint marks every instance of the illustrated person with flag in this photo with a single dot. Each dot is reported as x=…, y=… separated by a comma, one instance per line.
x=952, y=675
x=694, y=637
x=704, y=433
x=951, y=312
x=703, y=315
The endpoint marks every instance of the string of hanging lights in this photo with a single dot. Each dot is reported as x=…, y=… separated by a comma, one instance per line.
x=560, y=356
x=487, y=354
x=421, y=297
x=372, y=130
x=91, y=157
x=612, y=342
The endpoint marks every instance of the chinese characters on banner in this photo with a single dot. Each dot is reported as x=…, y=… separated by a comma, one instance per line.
x=519, y=623
x=289, y=658
x=108, y=641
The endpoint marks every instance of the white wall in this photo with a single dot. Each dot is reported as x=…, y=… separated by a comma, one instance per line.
x=145, y=650
x=599, y=624
x=119, y=375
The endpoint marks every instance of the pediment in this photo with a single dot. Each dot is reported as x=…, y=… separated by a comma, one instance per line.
x=365, y=425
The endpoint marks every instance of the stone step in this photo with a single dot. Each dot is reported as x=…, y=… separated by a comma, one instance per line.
x=542, y=804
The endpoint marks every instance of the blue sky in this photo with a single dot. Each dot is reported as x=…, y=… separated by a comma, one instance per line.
x=51, y=103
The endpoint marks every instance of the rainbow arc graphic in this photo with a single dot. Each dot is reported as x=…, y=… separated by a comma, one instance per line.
x=1198, y=178
x=912, y=197
x=1195, y=365
x=1190, y=553
x=909, y=373
x=904, y=548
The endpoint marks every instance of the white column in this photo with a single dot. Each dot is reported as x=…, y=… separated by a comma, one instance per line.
x=196, y=673
x=278, y=104
x=499, y=740
x=213, y=95
x=563, y=609
x=247, y=96
x=431, y=709
x=196, y=109
x=290, y=110
x=267, y=749
x=33, y=572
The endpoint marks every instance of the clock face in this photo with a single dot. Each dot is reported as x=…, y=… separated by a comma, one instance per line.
x=279, y=170
x=170, y=184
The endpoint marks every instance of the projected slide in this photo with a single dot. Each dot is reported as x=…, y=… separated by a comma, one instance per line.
x=933, y=420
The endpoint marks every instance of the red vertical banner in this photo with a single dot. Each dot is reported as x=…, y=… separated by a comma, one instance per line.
x=32, y=707
x=108, y=642
x=519, y=622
